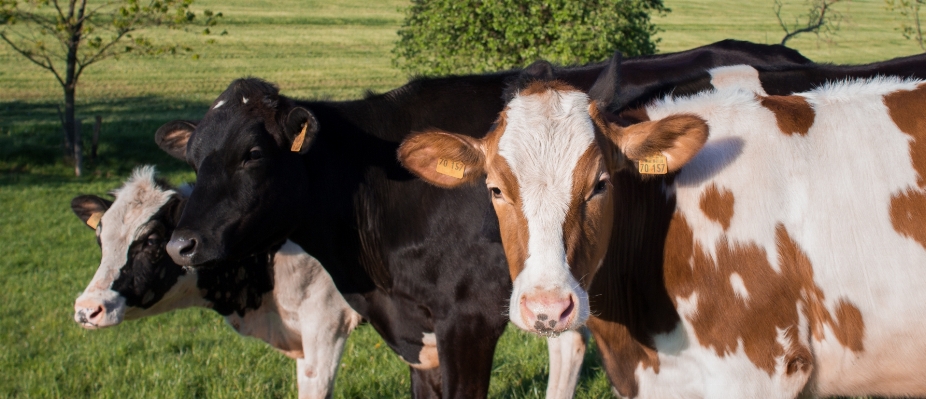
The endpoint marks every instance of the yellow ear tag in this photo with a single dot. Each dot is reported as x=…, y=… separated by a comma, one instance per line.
x=450, y=167
x=297, y=143
x=94, y=220
x=654, y=165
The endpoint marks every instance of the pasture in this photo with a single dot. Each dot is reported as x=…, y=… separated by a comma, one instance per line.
x=330, y=50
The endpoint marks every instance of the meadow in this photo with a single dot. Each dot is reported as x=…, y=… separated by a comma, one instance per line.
x=312, y=49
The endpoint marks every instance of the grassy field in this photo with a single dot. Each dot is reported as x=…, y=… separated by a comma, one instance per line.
x=311, y=49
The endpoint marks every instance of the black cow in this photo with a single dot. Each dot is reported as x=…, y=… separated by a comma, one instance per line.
x=422, y=264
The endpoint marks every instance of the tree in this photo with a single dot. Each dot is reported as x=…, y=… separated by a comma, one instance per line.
x=467, y=36
x=821, y=18
x=67, y=36
x=911, y=28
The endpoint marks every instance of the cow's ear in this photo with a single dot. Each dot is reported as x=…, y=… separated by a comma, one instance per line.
x=539, y=70
x=90, y=208
x=174, y=136
x=299, y=129
x=677, y=137
x=443, y=159
x=608, y=83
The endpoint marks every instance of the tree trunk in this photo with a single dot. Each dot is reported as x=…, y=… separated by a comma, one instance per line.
x=70, y=80
x=69, y=118
x=78, y=151
x=96, y=136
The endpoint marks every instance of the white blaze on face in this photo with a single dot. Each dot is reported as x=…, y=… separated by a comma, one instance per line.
x=544, y=138
x=136, y=203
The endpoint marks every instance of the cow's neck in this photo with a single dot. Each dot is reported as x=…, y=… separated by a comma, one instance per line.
x=237, y=286
x=353, y=159
x=628, y=288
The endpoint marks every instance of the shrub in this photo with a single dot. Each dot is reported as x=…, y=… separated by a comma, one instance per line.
x=469, y=36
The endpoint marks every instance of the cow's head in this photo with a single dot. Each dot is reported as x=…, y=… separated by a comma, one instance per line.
x=136, y=278
x=548, y=163
x=250, y=178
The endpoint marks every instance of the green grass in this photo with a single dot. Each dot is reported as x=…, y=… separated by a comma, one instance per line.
x=868, y=34
x=311, y=49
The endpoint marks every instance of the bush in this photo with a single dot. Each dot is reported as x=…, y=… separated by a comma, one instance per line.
x=470, y=36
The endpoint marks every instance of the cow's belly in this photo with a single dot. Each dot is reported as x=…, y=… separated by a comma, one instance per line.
x=882, y=274
x=892, y=358
x=689, y=370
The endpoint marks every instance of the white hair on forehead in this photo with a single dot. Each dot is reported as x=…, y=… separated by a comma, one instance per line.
x=137, y=201
x=545, y=136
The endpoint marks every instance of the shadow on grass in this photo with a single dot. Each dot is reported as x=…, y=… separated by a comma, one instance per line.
x=31, y=138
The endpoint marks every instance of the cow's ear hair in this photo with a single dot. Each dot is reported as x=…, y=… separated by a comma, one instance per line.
x=174, y=136
x=299, y=129
x=608, y=83
x=678, y=137
x=539, y=70
x=443, y=159
x=90, y=208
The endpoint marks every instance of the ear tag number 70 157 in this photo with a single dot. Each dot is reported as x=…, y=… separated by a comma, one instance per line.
x=450, y=167
x=653, y=165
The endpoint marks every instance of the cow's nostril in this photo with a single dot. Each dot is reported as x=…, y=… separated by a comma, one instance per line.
x=96, y=312
x=187, y=249
x=568, y=311
x=182, y=248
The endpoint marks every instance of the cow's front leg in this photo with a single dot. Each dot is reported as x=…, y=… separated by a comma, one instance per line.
x=325, y=329
x=566, y=354
x=426, y=384
x=465, y=347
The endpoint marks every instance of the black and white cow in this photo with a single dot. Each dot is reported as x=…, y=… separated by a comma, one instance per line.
x=425, y=266
x=283, y=297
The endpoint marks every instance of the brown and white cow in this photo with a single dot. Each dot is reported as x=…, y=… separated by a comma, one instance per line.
x=783, y=253
x=285, y=298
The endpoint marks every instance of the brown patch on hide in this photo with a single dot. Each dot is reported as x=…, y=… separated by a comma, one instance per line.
x=906, y=110
x=722, y=319
x=908, y=215
x=793, y=113
x=717, y=205
x=621, y=355
x=587, y=226
x=545, y=86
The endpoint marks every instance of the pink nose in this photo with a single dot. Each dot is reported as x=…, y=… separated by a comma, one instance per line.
x=548, y=312
x=89, y=313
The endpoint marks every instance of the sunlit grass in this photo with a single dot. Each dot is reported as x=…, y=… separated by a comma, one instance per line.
x=313, y=49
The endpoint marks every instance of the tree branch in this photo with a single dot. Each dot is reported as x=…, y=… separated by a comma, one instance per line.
x=816, y=19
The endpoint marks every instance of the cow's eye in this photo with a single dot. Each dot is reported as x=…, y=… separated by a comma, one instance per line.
x=602, y=185
x=154, y=240
x=254, y=154
x=496, y=192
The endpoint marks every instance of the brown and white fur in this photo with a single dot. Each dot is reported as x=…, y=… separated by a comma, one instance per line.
x=784, y=254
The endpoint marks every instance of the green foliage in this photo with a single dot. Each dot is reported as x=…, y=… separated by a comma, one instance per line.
x=911, y=27
x=466, y=36
x=44, y=31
